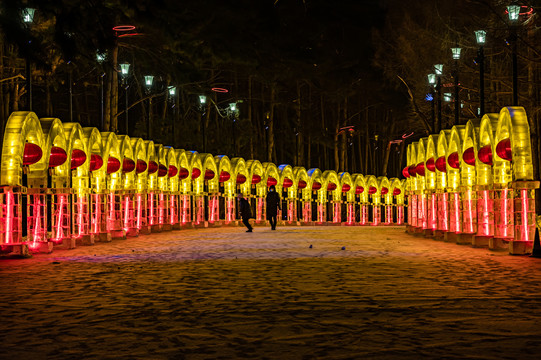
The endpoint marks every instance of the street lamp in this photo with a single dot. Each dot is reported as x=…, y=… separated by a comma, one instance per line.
x=514, y=12
x=149, y=80
x=172, y=92
x=431, y=98
x=447, y=97
x=233, y=112
x=124, y=72
x=28, y=19
x=100, y=58
x=481, y=36
x=438, y=69
x=202, y=103
x=456, y=56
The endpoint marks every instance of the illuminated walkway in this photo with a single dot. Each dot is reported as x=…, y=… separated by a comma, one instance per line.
x=224, y=293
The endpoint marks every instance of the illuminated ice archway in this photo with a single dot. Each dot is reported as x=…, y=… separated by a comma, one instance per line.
x=113, y=158
x=271, y=176
x=185, y=186
x=140, y=157
x=333, y=188
x=362, y=191
x=486, y=149
x=302, y=182
x=348, y=192
x=319, y=189
x=398, y=191
x=259, y=186
x=387, y=199
x=375, y=195
x=442, y=197
x=289, y=187
x=454, y=158
x=227, y=208
x=241, y=176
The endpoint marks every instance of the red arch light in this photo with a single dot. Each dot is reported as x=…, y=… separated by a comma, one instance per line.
x=420, y=169
x=441, y=165
x=113, y=165
x=128, y=165
x=316, y=185
x=396, y=191
x=412, y=170
x=96, y=162
x=271, y=181
x=58, y=157
x=452, y=160
x=162, y=170
x=196, y=173
x=431, y=165
x=384, y=191
x=209, y=174
x=152, y=167
x=256, y=179
x=331, y=186
x=485, y=155
x=469, y=156
x=405, y=172
x=78, y=158
x=302, y=184
x=503, y=149
x=173, y=171
x=287, y=183
x=346, y=188
x=359, y=190
x=141, y=166
x=224, y=176
x=372, y=190
x=183, y=173
x=32, y=154
x=241, y=179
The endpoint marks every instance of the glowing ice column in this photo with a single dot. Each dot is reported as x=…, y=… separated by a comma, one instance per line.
x=350, y=213
x=525, y=220
x=141, y=215
x=98, y=216
x=115, y=224
x=442, y=218
x=199, y=209
x=363, y=216
x=414, y=212
x=432, y=211
x=455, y=221
x=399, y=214
x=173, y=209
x=186, y=206
x=291, y=210
x=259, y=209
x=485, y=211
x=10, y=215
x=230, y=209
x=376, y=214
x=337, y=212
x=130, y=213
x=321, y=212
x=503, y=212
x=469, y=211
x=81, y=217
x=214, y=208
x=163, y=210
x=388, y=214
x=36, y=216
x=306, y=211
x=61, y=220
x=422, y=211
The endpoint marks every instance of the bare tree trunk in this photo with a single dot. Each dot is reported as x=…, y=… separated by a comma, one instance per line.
x=299, y=151
x=309, y=153
x=323, y=132
x=336, y=138
x=271, y=147
x=250, y=120
x=108, y=103
x=367, y=144
x=343, y=147
x=114, y=91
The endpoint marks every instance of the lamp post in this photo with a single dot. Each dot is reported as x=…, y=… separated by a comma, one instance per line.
x=456, y=56
x=172, y=93
x=233, y=112
x=28, y=19
x=202, y=106
x=480, y=36
x=514, y=12
x=438, y=69
x=149, y=80
x=124, y=72
x=101, y=58
x=432, y=83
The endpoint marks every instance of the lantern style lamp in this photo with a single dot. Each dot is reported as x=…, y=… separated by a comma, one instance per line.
x=149, y=80
x=447, y=97
x=100, y=58
x=438, y=68
x=481, y=37
x=28, y=15
x=513, y=11
x=456, y=53
x=124, y=70
x=233, y=107
x=432, y=79
x=202, y=99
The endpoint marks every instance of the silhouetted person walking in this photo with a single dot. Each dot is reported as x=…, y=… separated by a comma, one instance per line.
x=245, y=212
x=273, y=204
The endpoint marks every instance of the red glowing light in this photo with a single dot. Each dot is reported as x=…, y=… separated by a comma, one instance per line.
x=241, y=179
x=124, y=28
x=503, y=149
x=256, y=179
x=173, y=171
x=78, y=158
x=183, y=173
x=128, y=165
x=405, y=172
x=287, y=183
x=485, y=155
x=96, y=162
x=152, y=167
x=384, y=191
x=440, y=164
x=219, y=90
x=130, y=34
x=412, y=170
x=372, y=190
x=141, y=166
x=452, y=160
x=528, y=10
x=430, y=164
x=331, y=186
x=224, y=176
x=113, y=164
x=316, y=185
x=162, y=170
x=209, y=174
x=396, y=191
x=32, y=154
x=58, y=157
x=271, y=181
x=420, y=169
x=469, y=156
x=196, y=173
x=346, y=188
x=302, y=184
x=359, y=190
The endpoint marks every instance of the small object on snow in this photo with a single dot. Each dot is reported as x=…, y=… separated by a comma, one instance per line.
x=56, y=262
x=132, y=250
x=343, y=248
x=310, y=246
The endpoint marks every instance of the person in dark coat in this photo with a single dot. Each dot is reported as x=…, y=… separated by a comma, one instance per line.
x=245, y=212
x=273, y=204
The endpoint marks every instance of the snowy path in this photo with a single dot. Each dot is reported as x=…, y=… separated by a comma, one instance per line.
x=227, y=294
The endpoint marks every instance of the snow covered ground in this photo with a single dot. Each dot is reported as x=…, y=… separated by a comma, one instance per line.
x=226, y=294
